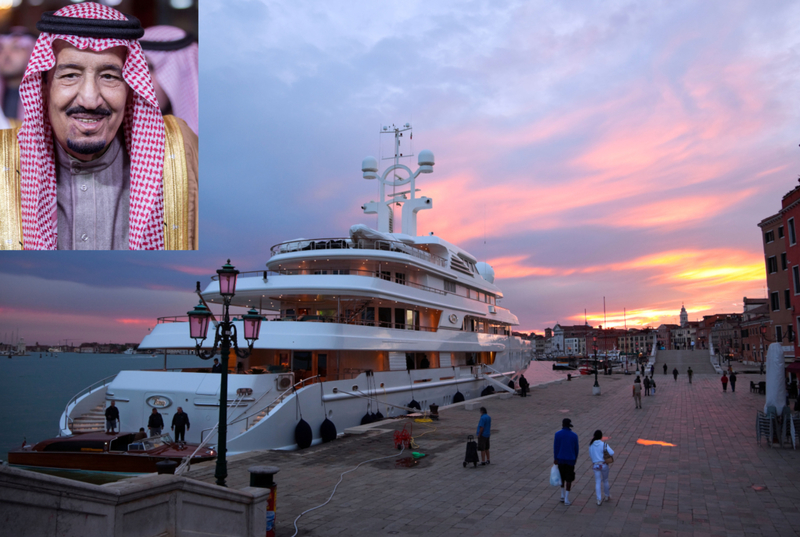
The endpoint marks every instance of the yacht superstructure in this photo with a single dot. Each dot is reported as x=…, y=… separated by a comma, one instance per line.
x=363, y=323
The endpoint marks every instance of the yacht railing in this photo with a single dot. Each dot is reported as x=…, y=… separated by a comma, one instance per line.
x=337, y=319
x=337, y=272
x=68, y=421
x=279, y=399
x=361, y=244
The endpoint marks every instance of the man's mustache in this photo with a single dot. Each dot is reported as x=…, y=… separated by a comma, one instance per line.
x=81, y=110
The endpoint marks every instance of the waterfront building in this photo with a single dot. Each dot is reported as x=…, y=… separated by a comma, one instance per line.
x=755, y=316
x=781, y=260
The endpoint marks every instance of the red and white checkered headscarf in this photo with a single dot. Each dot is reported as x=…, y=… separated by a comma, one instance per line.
x=177, y=71
x=144, y=139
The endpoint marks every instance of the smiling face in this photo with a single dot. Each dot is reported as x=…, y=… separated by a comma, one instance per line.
x=86, y=97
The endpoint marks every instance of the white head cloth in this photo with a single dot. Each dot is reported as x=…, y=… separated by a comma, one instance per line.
x=177, y=72
x=144, y=139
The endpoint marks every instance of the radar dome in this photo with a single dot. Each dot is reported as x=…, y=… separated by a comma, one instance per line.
x=485, y=270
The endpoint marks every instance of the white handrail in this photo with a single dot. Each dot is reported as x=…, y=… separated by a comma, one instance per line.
x=89, y=389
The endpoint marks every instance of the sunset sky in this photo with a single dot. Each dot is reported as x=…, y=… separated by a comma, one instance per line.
x=614, y=149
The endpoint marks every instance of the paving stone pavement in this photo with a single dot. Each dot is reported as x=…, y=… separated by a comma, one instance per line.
x=703, y=486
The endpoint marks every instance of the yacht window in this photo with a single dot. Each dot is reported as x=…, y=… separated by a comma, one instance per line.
x=322, y=365
x=320, y=272
x=412, y=319
x=341, y=271
x=385, y=275
x=400, y=278
x=368, y=316
x=301, y=361
x=449, y=286
x=399, y=318
x=385, y=317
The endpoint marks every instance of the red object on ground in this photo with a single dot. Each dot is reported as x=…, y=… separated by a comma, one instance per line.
x=402, y=439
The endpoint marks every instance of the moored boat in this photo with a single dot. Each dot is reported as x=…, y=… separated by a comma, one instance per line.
x=371, y=323
x=107, y=452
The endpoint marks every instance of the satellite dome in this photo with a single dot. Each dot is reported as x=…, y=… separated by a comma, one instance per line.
x=486, y=271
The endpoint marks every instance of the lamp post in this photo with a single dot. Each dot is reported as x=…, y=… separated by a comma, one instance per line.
x=224, y=336
x=596, y=387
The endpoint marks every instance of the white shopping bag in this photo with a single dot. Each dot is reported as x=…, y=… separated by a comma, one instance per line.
x=555, y=476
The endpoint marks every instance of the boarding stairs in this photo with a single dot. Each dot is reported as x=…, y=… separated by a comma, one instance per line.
x=90, y=422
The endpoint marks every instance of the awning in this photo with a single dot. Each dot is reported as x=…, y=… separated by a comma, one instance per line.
x=793, y=367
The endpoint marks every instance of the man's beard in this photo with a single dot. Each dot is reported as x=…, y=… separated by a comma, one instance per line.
x=86, y=148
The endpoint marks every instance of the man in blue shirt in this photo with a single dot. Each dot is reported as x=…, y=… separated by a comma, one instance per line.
x=484, y=430
x=565, y=453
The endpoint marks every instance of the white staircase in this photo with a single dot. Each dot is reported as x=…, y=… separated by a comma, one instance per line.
x=90, y=422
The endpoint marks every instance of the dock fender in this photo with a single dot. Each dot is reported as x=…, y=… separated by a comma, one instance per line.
x=303, y=434
x=414, y=404
x=458, y=397
x=327, y=430
x=488, y=390
x=367, y=419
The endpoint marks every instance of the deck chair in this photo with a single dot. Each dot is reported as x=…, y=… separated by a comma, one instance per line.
x=753, y=387
x=794, y=425
x=786, y=423
x=764, y=426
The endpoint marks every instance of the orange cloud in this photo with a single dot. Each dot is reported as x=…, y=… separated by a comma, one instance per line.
x=144, y=322
x=195, y=271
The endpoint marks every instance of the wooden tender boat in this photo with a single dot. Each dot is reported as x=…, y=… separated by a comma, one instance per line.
x=107, y=452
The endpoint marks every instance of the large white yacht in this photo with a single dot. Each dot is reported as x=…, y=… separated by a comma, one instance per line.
x=358, y=325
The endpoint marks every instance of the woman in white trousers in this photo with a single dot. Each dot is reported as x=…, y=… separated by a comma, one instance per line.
x=599, y=466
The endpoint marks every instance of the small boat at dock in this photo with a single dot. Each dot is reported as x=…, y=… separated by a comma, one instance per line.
x=107, y=452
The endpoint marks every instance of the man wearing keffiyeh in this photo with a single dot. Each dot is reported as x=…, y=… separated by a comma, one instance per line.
x=98, y=166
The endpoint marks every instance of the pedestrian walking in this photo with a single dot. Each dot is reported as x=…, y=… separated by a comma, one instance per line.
x=646, y=384
x=724, y=380
x=665, y=369
x=155, y=423
x=652, y=386
x=652, y=369
x=180, y=424
x=483, y=433
x=732, y=378
x=112, y=416
x=637, y=392
x=690, y=373
x=601, y=454
x=675, y=374
x=565, y=453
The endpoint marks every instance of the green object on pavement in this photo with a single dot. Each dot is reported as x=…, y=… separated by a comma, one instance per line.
x=417, y=454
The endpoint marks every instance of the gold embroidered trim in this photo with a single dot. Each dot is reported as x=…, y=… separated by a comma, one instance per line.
x=176, y=189
x=10, y=192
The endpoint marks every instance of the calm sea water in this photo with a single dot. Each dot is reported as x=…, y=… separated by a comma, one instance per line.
x=34, y=391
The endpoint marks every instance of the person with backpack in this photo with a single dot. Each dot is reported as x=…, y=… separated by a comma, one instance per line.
x=602, y=455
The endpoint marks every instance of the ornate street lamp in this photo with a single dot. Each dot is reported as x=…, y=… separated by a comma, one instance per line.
x=224, y=336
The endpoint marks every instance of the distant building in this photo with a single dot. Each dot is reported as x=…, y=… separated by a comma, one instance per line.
x=755, y=316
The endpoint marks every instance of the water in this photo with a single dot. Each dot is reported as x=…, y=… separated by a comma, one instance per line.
x=34, y=391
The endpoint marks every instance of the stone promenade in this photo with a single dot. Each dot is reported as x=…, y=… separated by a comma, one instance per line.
x=715, y=481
